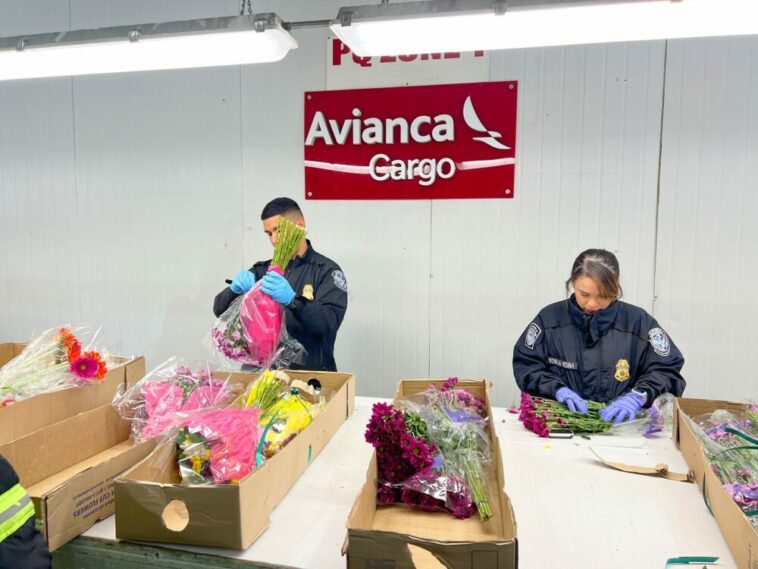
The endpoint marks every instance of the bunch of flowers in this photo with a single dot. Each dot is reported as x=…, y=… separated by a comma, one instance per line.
x=285, y=411
x=252, y=330
x=227, y=335
x=545, y=416
x=53, y=361
x=223, y=445
x=429, y=453
x=218, y=446
x=458, y=426
x=165, y=395
x=731, y=445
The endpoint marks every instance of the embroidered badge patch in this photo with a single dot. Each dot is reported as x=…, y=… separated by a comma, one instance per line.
x=532, y=333
x=308, y=292
x=660, y=342
x=622, y=370
x=339, y=280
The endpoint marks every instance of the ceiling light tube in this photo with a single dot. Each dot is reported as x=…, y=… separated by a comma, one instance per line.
x=464, y=25
x=231, y=40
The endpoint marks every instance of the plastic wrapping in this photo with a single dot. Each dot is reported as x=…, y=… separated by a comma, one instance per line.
x=164, y=397
x=654, y=422
x=286, y=418
x=285, y=409
x=218, y=446
x=432, y=451
x=730, y=441
x=253, y=332
x=60, y=358
x=432, y=489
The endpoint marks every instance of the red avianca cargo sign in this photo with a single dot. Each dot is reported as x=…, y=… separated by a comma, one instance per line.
x=436, y=141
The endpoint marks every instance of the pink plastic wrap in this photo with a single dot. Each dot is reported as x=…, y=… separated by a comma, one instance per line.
x=263, y=322
x=253, y=332
x=218, y=446
x=164, y=397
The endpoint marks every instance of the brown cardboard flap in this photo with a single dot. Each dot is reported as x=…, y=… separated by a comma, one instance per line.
x=47, y=451
x=7, y=353
x=74, y=505
x=52, y=482
x=661, y=469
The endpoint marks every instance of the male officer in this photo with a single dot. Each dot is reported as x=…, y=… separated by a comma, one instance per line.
x=313, y=291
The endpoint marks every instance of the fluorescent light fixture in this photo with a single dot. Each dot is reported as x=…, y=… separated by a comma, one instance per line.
x=466, y=25
x=232, y=40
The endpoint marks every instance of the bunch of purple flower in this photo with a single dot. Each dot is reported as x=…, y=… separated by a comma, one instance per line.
x=411, y=469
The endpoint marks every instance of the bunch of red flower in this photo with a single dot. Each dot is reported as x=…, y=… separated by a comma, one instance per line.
x=84, y=365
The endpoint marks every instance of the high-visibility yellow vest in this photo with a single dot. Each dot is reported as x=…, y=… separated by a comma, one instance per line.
x=15, y=509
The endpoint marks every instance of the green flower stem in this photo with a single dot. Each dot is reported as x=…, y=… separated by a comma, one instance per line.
x=288, y=239
x=474, y=481
x=31, y=377
x=577, y=422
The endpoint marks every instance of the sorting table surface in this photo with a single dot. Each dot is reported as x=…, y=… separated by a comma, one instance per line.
x=570, y=509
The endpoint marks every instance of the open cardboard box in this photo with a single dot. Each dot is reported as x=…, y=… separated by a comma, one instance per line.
x=398, y=537
x=68, y=469
x=152, y=505
x=29, y=415
x=739, y=534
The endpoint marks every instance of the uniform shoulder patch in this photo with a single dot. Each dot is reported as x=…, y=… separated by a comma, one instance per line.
x=532, y=334
x=660, y=342
x=339, y=280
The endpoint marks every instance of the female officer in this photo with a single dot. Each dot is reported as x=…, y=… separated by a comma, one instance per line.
x=593, y=346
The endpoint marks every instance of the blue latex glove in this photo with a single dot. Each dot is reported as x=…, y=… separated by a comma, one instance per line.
x=277, y=287
x=625, y=408
x=243, y=282
x=571, y=400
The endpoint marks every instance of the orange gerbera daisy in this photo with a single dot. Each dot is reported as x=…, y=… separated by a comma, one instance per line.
x=72, y=346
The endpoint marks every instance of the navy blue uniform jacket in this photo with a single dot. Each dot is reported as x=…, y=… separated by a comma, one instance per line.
x=599, y=356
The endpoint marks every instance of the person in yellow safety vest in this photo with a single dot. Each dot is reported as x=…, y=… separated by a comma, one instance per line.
x=21, y=545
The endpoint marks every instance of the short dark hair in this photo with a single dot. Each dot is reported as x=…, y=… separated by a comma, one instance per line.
x=280, y=206
x=602, y=267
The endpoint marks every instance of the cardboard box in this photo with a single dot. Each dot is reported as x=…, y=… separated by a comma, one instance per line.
x=68, y=469
x=398, y=537
x=29, y=415
x=739, y=534
x=152, y=505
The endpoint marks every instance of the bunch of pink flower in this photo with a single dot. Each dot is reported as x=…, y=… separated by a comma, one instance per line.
x=164, y=396
x=461, y=399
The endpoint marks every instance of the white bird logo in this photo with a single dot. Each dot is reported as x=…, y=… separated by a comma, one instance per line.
x=473, y=121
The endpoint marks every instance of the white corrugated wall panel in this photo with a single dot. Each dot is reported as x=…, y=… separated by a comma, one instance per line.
x=39, y=221
x=383, y=247
x=708, y=236
x=586, y=168
x=158, y=170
